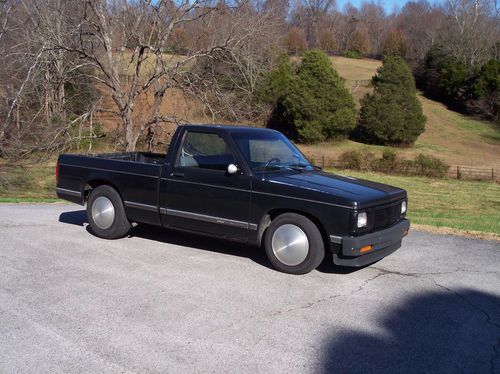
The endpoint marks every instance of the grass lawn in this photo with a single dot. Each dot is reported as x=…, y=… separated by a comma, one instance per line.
x=18, y=200
x=355, y=69
x=34, y=183
x=451, y=203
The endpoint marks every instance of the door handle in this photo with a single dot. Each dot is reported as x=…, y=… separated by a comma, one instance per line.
x=177, y=174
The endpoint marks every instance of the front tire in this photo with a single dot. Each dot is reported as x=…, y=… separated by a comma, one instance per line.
x=294, y=244
x=106, y=214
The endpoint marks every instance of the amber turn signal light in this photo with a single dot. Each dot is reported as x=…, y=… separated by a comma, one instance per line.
x=366, y=248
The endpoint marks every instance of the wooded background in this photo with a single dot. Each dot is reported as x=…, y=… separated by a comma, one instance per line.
x=61, y=60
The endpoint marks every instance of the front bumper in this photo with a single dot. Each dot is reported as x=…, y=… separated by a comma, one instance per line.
x=383, y=243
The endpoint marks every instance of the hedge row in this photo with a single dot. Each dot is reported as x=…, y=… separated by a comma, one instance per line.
x=392, y=163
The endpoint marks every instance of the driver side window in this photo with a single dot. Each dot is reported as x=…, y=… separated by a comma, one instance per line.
x=204, y=150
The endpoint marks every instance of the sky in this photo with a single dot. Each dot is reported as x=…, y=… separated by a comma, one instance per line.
x=388, y=4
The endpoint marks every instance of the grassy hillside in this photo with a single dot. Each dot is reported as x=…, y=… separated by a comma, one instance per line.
x=455, y=138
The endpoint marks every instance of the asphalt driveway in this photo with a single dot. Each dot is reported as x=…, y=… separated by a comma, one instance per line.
x=161, y=301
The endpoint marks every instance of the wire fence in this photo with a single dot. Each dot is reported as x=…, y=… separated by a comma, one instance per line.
x=474, y=173
x=455, y=172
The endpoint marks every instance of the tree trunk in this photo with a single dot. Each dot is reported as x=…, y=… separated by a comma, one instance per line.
x=131, y=135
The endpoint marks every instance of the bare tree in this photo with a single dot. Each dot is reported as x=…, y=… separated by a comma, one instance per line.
x=373, y=19
x=56, y=50
x=125, y=42
x=5, y=9
x=346, y=25
x=39, y=78
x=472, y=30
x=312, y=16
x=420, y=22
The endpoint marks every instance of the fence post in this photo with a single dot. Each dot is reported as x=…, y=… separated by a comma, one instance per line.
x=492, y=174
x=323, y=161
x=458, y=172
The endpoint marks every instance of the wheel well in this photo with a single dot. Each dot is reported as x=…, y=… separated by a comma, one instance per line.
x=271, y=215
x=94, y=183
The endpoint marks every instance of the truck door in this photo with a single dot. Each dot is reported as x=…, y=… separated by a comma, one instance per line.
x=198, y=194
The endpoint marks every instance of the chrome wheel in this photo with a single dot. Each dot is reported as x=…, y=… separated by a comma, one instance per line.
x=290, y=245
x=103, y=212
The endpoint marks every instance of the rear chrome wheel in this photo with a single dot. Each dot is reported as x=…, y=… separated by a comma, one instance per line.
x=294, y=244
x=106, y=214
x=290, y=244
x=103, y=212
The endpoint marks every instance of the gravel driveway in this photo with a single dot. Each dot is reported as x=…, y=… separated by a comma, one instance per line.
x=161, y=301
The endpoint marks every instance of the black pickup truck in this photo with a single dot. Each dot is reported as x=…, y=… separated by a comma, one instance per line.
x=240, y=183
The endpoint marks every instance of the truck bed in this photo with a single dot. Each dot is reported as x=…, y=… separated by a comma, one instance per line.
x=134, y=174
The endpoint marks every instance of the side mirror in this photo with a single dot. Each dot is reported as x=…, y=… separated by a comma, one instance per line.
x=232, y=169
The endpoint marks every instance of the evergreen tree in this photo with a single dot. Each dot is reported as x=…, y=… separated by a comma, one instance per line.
x=486, y=90
x=276, y=84
x=317, y=106
x=392, y=114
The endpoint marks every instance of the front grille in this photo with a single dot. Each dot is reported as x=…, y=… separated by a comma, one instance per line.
x=386, y=216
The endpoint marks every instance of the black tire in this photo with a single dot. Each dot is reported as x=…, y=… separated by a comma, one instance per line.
x=316, y=251
x=120, y=225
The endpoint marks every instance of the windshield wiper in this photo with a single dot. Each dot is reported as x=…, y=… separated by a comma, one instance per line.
x=298, y=167
x=295, y=167
x=265, y=167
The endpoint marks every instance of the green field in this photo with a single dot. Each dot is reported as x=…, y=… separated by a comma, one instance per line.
x=461, y=205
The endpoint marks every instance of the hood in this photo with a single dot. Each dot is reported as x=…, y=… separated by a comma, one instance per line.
x=356, y=192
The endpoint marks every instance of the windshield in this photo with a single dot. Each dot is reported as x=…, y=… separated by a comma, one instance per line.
x=268, y=150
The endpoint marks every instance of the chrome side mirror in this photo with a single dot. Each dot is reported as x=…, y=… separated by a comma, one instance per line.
x=232, y=169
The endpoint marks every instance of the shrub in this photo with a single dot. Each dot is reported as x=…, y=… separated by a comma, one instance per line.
x=317, y=106
x=392, y=163
x=392, y=114
x=352, y=54
x=351, y=160
x=389, y=163
x=356, y=160
x=430, y=166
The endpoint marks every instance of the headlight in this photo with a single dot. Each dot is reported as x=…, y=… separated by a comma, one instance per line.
x=362, y=220
x=403, y=207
